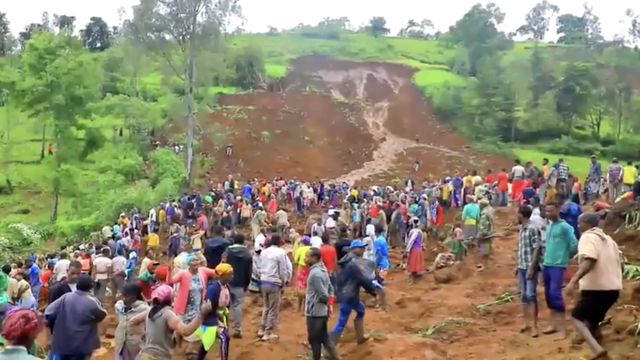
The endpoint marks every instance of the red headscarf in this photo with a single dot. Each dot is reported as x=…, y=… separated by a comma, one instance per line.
x=21, y=327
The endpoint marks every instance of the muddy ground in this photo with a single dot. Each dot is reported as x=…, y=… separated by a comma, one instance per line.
x=448, y=300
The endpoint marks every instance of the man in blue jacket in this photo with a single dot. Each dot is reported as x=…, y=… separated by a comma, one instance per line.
x=348, y=283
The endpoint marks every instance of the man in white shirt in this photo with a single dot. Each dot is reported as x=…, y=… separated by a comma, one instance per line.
x=118, y=266
x=152, y=221
x=61, y=267
x=101, y=273
x=259, y=241
x=517, y=181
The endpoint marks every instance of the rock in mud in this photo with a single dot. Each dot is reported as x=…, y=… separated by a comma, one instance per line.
x=444, y=276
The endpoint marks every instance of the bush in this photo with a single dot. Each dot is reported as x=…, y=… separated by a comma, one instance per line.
x=569, y=146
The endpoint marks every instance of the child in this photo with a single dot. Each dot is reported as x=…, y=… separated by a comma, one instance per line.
x=458, y=248
x=576, y=191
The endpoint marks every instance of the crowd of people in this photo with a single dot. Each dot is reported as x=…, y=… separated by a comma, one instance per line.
x=183, y=294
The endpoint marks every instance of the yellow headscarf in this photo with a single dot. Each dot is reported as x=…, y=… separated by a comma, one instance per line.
x=224, y=269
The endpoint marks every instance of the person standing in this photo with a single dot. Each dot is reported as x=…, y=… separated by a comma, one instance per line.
x=240, y=259
x=318, y=306
x=529, y=250
x=599, y=279
x=593, y=179
x=348, y=283
x=562, y=182
x=629, y=176
x=101, y=272
x=503, y=188
x=274, y=276
x=517, y=181
x=73, y=320
x=614, y=179
x=561, y=245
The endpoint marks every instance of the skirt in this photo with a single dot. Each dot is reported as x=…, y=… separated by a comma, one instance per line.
x=301, y=278
x=469, y=232
x=415, y=261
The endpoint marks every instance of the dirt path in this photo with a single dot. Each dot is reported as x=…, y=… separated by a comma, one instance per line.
x=375, y=115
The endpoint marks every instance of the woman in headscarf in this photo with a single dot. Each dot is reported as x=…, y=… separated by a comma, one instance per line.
x=160, y=322
x=128, y=339
x=470, y=217
x=145, y=280
x=191, y=290
x=19, y=331
x=413, y=251
x=215, y=324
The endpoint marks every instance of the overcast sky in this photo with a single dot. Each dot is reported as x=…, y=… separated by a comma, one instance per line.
x=288, y=13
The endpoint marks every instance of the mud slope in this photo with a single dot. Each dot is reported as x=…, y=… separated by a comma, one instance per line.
x=398, y=118
x=310, y=136
x=357, y=122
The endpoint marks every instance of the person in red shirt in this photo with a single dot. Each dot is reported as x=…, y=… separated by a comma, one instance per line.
x=489, y=178
x=329, y=257
x=373, y=211
x=503, y=188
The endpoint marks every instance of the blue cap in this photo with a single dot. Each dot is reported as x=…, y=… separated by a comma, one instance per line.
x=357, y=244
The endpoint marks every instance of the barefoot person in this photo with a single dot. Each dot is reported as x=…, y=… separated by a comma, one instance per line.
x=561, y=245
x=599, y=279
x=529, y=249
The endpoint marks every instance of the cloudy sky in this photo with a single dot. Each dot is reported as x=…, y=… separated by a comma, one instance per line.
x=288, y=13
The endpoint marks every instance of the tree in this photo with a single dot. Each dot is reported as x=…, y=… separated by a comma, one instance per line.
x=378, y=26
x=634, y=26
x=64, y=23
x=600, y=109
x=57, y=80
x=574, y=93
x=6, y=39
x=621, y=96
x=185, y=26
x=96, y=35
x=538, y=19
x=28, y=32
x=593, y=28
x=542, y=77
x=416, y=30
x=477, y=31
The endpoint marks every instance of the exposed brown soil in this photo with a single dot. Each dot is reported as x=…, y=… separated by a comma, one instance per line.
x=358, y=122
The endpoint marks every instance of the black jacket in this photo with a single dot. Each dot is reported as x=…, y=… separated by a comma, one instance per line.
x=240, y=259
x=350, y=279
x=57, y=290
x=213, y=250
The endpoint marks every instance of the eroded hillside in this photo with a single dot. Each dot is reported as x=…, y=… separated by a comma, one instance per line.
x=356, y=122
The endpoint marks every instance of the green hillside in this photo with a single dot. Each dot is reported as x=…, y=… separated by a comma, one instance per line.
x=96, y=93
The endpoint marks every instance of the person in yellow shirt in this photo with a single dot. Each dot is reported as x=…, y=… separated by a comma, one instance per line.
x=303, y=270
x=123, y=220
x=162, y=217
x=446, y=193
x=629, y=176
x=354, y=192
x=153, y=240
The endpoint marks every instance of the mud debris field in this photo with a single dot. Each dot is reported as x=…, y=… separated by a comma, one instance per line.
x=366, y=123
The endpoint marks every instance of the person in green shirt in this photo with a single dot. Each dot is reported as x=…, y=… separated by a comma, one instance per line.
x=561, y=245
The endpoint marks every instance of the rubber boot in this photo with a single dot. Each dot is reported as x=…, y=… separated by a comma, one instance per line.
x=330, y=352
x=361, y=338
